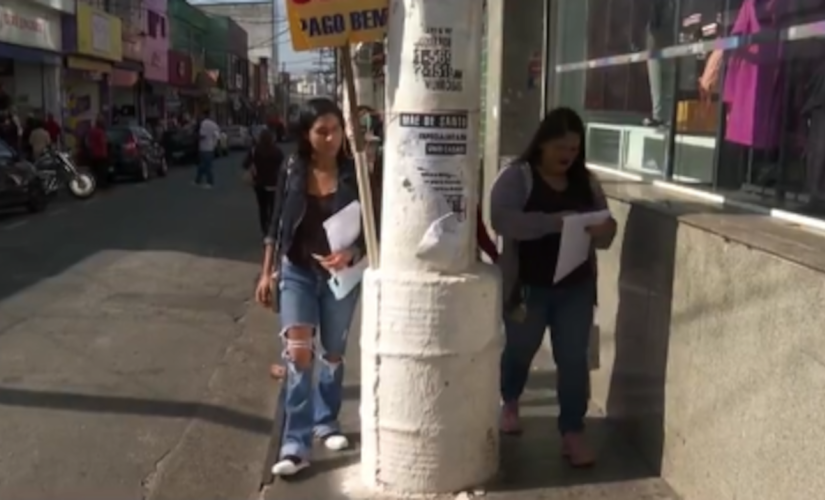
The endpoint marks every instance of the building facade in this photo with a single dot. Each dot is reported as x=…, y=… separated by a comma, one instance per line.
x=190, y=85
x=155, y=57
x=226, y=59
x=92, y=42
x=31, y=46
x=255, y=19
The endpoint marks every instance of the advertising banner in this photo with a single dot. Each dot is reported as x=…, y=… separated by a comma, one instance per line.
x=316, y=24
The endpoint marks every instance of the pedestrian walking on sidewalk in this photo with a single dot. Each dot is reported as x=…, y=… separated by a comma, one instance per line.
x=319, y=182
x=208, y=136
x=262, y=165
x=528, y=202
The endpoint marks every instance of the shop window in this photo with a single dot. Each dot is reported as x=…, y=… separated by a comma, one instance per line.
x=156, y=25
x=728, y=95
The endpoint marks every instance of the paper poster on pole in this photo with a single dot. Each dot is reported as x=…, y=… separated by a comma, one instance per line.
x=435, y=146
x=318, y=24
x=438, y=61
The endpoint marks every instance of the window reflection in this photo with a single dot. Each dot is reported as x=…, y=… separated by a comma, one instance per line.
x=729, y=94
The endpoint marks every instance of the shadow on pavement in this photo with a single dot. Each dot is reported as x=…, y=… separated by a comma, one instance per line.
x=133, y=406
x=533, y=460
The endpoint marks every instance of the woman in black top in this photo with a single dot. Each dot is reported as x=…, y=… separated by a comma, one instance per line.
x=317, y=183
x=529, y=201
x=263, y=163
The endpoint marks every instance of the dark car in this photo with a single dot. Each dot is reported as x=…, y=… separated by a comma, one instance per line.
x=135, y=153
x=20, y=185
x=181, y=145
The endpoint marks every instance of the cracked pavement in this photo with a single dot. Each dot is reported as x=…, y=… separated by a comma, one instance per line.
x=131, y=363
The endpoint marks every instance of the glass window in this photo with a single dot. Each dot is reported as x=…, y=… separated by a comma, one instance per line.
x=723, y=94
x=152, y=24
x=625, y=98
x=595, y=29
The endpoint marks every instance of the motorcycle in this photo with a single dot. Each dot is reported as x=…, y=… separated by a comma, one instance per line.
x=56, y=168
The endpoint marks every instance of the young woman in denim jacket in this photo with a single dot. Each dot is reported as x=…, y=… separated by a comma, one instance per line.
x=318, y=182
x=528, y=202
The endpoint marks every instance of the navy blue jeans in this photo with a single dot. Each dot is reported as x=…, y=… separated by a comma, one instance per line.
x=568, y=313
x=204, y=172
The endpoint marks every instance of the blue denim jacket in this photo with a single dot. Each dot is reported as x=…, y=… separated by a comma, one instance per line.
x=290, y=203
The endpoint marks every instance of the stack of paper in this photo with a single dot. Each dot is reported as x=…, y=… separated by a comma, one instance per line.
x=343, y=228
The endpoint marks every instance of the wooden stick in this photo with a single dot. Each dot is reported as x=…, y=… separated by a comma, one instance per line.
x=358, y=144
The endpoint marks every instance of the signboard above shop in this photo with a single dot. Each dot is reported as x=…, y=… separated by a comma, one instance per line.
x=316, y=24
x=29, y=26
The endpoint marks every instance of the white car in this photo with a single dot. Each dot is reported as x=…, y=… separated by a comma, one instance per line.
x=238, y=137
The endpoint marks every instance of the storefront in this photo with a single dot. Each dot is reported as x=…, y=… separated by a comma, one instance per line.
x=93, y=41
x=155, y=57
x=30, y=47
x=715, y=94
x=181, y=93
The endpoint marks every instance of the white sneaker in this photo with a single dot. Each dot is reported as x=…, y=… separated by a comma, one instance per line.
x=336, y=442
x=289, y=466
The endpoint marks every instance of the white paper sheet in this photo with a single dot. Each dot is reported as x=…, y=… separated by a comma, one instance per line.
x=344, y=281
x=441, y=243
x=344, y=227
x=574, y=249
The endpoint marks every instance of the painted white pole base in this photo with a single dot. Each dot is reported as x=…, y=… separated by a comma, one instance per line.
x=430, y=348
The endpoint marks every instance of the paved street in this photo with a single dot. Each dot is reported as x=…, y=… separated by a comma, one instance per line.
x=130, y=364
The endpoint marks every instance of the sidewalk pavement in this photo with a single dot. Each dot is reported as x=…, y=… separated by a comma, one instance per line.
x=531, y=465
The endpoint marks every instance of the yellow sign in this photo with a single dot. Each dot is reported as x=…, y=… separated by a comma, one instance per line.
x=98, y=34
x=315, y=24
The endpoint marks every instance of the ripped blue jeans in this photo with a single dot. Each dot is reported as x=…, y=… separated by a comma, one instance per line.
x=312, y=405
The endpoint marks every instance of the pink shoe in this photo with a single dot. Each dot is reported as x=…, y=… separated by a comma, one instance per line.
x=576, y=451
x=510, y=422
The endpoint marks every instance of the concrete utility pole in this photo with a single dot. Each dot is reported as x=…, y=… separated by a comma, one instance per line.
x=431, y=328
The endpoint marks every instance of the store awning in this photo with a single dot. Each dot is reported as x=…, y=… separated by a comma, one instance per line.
x=84, y=64
x=29, y=54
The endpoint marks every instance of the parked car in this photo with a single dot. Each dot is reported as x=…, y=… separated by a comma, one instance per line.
x=238, y=137
x=135, y=153
x=20, y=184
x=255, y=132
x=180, y=145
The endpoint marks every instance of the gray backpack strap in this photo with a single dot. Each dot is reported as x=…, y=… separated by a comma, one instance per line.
x=527, y=175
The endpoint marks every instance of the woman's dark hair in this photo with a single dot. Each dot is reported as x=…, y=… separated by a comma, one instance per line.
x=266, y=147
x=307, y=115
x=556, y=124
